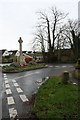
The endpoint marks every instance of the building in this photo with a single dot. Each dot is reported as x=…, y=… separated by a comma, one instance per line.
x=13, y=55
x=4, y=55
x=4, y=52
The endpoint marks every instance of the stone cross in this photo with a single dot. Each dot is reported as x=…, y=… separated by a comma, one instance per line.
x=20, y=45
x=20, y=49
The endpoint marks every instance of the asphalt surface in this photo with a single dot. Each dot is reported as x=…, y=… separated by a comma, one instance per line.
x=18, y=89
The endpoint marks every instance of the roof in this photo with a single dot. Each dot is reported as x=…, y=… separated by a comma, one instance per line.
x=13, y=52
x=24, y=52
x=2, y=51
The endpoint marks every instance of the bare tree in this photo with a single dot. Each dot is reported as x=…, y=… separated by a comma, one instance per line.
x=51, y=24
x=57, y=21
x=40, y=39
x=45, y=23
x=72, y=37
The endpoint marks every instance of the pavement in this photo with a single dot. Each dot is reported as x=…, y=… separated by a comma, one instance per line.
x=19, y=89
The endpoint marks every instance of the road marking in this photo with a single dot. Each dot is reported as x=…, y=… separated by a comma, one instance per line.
x=37, y=72
x=19, y=90
x=8, y=91
x=71, y=66
x=50, y=66
x=38, y=87
x=7, y=85
x=75, y=83
x=6, y=81
x=24, y=76
x=5, y=78
x=4, y=74
x=39, y=81
x=12, y=112
x=13, y=81
x=64, y=66
x=10, y=100
x=47, y=78
x=24, y=98
x=16, y=84
x=57, y=66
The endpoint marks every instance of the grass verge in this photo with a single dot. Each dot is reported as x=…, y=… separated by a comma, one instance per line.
x=56, y=101
x=14, y=69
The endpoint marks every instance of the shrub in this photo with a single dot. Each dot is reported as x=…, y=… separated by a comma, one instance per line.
x=15, y=65
x=77, y=66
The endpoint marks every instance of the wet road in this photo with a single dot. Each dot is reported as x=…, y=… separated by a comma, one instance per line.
x=18, y=89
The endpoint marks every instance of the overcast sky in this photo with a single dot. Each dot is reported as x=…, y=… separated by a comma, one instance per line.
x=18, y=18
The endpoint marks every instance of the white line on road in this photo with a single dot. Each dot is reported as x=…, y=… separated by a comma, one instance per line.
x=7, y=85
x=5, y=78
x=4, y=74
x=8, y=91
x=10, y=100
x=57, y=66
x=19, y=90
x=24, y=76
x=6, y=81
x=38, y=87
x=37, y=72
x=50, y=66
x=24, y=98
x=16, y=84
x=64, y=66
x=71, y=66
x=75, y=83
x=12, y=112
x=39, y=81
x=13, y=81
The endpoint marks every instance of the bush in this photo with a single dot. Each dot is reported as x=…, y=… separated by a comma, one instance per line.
x=77, y=66
x=15, y=65
x=32, y=63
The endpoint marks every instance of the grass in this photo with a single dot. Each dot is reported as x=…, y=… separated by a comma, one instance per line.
x=13, y=68
x=75, y=74
x=56, y=101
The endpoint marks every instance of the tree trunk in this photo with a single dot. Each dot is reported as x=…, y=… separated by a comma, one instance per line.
x=49, y=39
